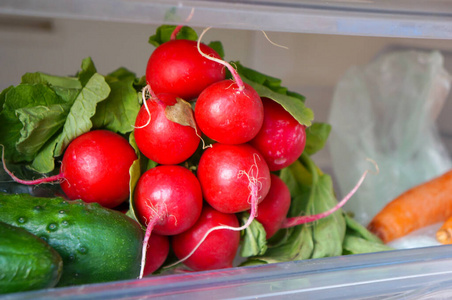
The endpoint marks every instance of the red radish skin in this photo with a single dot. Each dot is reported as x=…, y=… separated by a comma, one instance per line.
x=217, y=251
x=95, y=168
x=281, y=139
x=171, y=195
x=162, y=140
x=272, y=211
x=177, y=67
x=228, y=114
x=156, y=254
x=228, y=173
x=228, y=111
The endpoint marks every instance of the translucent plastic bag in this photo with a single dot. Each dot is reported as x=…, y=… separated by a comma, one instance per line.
x=386, y=111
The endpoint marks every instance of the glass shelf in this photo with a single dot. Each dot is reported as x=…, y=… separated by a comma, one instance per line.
x=396, y=18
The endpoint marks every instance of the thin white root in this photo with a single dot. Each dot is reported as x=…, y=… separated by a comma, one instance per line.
x=233, y=71
x=273, y=43
x=144, y=94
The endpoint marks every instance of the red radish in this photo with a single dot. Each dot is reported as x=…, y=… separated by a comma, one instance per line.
x=229, y=113
x=95, y=168
x=171, y=195
x=281, y=139
x=230, y=175
x=272, y=211
x=168, y=200
x=160, y=139
x=177, y=67
x=156, y=254
x=233, y=178
x=217, y=250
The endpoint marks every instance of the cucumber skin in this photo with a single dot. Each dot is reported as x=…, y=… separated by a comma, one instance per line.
x=26, y=261
x=96, y=244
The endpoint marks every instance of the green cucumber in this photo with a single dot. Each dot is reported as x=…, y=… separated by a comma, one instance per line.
x=26, y=261
x=97, y=244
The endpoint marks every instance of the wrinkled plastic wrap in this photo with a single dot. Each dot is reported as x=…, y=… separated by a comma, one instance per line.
x=386, y=111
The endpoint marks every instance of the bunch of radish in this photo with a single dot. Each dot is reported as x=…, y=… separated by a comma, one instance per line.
x=215, y=145
x=251, y=136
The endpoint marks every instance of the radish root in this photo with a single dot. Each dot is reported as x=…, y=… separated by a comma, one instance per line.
x=233, y=71
x=294, y=221
x=146, y=93
x=179, y=27
x=147, y=235
x=51, y=179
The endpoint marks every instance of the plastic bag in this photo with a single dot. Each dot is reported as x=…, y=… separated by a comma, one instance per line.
x=386, y=111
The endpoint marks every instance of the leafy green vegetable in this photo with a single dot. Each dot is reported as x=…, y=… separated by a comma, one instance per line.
x=65, y=87
x=268, y=81
x=218, y=47
x=78, y=121
x=139, y=166
x=359, y=240
x=39, y=124
x=3, y=97
x=270, y=87
x=119, y=110
x=164, y=32
x=328, y=233
x=44, y=113
x=357, y=245
x=83, y=108
x=18, y=102
x=355, y=228
x=135, y=172
x=316, y=137
x=322, y=238
x=254, y=238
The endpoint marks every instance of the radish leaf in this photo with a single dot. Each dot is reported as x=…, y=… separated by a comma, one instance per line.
x=163, y=34
x=254, y=238
x=118, y=112
x=316, y=137
x=270, y=87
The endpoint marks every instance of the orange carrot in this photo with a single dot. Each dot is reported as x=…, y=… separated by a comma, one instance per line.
x=444, y=233
x=425, y=204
